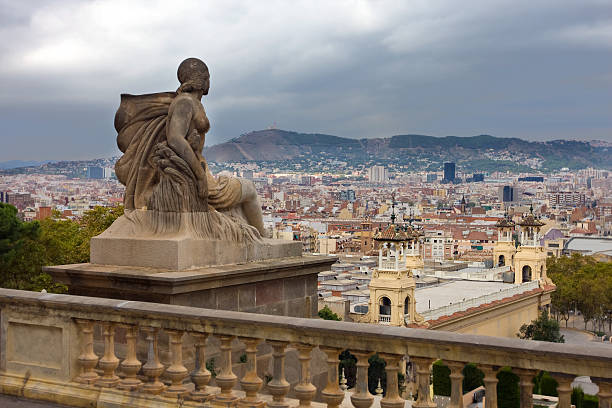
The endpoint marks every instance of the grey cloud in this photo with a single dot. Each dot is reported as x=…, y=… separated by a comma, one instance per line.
x=537, y=70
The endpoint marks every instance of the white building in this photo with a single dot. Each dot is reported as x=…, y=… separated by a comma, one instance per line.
x=377, y=174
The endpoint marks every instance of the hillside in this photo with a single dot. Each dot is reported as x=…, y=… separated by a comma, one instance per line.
x=477, y=153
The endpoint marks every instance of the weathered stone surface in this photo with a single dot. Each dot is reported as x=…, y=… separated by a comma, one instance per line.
x=37, y=311
x=250, y=287
x=294, y=288
x=167, y=179
x=181, y=253
x=7, y=401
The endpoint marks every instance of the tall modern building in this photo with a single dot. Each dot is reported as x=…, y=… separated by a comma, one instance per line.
x=95, y=172
x=508, y=194
x=377, y=174
x=347, y=195
x=449, y=172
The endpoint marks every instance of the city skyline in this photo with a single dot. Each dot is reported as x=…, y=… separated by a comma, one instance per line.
x=352, y=69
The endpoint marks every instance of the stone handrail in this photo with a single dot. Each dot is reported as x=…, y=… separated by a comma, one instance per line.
x=448, y=310
x=484, y=274
x=47, y=350
x=388, y=265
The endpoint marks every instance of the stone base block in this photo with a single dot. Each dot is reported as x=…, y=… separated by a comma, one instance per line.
x=182, y=253
x=283, y=287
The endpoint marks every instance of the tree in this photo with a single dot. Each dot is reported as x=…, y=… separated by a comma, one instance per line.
x=582, y=283
x=21, y=254
x=61, y=240
x=543, y=328
x=327, y=314
x=25, y=247
x=95, y=222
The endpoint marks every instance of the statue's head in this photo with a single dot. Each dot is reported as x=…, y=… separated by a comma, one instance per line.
x=193, y=76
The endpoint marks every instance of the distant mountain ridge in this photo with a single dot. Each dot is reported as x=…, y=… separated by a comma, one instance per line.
x=474, y=151
x=13, y=164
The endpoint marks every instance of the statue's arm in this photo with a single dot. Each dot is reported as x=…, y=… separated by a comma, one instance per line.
x=178, y=127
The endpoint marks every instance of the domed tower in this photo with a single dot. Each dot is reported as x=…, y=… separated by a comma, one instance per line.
x=504, y=249
x=414, y=260
x=530, y=258
x=392, y=286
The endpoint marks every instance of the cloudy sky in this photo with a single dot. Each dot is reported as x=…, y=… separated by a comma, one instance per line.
x=538, y=69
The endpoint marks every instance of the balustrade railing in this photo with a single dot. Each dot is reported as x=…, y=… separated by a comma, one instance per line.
x=388, y=265
x=448, y=310
x=71, y=366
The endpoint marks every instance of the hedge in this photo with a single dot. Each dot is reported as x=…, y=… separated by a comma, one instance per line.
x=508, y=392
x=441, y=379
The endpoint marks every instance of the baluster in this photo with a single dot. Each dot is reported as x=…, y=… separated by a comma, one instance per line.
x=278, y=386
x=490, y=382
x=177, y=371
x=332, y=394
x=564, y=389
x=392, y=398
x=88, y=359
x=456, y=377
x=605, y=393
x=362, y=398
x=152, y=368
x=526, y=385
x=200, y=376
x=226, y=380
x=130, y=366
x=305, y=390
x=423, y=369
x=251, y=383
x=109, y=362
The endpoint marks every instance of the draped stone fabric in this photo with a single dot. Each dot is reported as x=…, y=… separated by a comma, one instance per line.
x=140, y=122
x=141, y=125
x=161, y=190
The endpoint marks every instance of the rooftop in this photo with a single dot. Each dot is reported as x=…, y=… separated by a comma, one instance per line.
x=590, y=245
x=454, y=292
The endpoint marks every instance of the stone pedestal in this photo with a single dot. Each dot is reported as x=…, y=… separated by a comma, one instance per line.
x=181, y=253
x=270, y=277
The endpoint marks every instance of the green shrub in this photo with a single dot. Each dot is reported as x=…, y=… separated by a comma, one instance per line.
x=472, y=377
x=508, y=392
x=210, y=366
x=348, y=362
x=548, y=385
x=376, y=371
x=577, y=397
x=441, y=379
x=327, y=314
x=590, y=401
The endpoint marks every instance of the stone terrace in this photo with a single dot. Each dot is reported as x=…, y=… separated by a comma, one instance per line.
x=47, y=353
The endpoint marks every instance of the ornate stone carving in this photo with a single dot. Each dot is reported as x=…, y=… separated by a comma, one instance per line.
x=169, y=187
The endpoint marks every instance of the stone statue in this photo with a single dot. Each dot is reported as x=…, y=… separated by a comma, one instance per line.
x=169, y=188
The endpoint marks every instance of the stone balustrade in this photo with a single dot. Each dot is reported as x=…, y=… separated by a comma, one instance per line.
x=483, y=274
x=384, y=319
x=47, y=353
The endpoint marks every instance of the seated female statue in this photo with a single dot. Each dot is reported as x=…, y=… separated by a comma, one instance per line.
x=162, y=136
